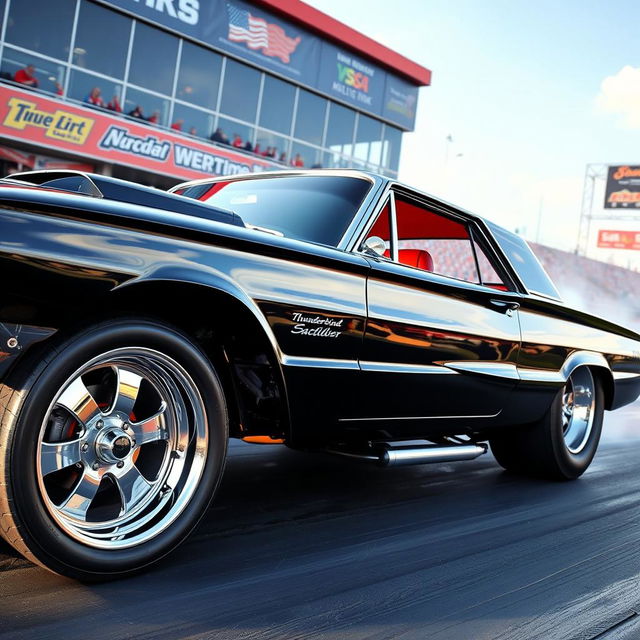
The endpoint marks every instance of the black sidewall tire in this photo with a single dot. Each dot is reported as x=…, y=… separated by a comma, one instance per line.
x=49, y=544
x=540, y=450
x=572, y=465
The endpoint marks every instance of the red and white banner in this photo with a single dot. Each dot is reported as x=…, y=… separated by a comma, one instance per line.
x=610, y=239
x=53, y=124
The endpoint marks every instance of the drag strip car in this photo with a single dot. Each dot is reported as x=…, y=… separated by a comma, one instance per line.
x=337, y=311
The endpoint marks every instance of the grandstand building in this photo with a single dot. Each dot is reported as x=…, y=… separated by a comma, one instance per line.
x=166, y=90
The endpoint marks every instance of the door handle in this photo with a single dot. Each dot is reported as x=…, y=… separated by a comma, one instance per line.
x=504, y=306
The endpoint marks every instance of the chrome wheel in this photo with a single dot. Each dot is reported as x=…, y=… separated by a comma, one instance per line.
x=122, y=448
x=578, y=409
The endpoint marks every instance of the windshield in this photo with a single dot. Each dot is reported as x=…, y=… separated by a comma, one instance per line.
x=313, y=208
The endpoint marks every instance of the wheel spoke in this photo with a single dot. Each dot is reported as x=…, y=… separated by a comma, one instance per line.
x=77, y=399
x=127, y=393
x=58, y=455
x=78, y=503
x=133, y=487
x=152, y=429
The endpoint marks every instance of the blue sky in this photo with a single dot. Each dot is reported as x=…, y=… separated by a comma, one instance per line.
x=516, y=84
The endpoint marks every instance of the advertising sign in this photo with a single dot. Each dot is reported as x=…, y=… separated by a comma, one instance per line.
x=92, y=133
x=608, y=239
x=351, y=79
x=246, y=31
x=623, y=187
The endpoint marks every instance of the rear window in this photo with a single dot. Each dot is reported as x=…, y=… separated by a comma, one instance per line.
x=313, y=208
x=525, y=263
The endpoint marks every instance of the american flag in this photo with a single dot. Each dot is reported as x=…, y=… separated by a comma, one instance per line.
x=258, y=34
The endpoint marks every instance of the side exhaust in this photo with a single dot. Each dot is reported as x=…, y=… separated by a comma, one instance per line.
x=396, y=454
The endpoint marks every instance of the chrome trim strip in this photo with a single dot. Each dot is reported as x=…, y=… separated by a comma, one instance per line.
x=493, y=415
x=624, y=375
x=398, y=367
x=318, y=363
x=541, y=375
x=495, y=369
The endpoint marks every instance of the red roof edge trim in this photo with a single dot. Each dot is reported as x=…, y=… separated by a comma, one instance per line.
x=333, y=29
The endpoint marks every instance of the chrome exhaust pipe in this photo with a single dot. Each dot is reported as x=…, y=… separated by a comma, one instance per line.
x=397, y=454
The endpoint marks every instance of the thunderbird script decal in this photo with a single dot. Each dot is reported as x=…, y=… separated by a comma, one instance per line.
x=316, y=326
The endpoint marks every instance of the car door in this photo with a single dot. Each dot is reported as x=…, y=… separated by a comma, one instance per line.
x=442, y=335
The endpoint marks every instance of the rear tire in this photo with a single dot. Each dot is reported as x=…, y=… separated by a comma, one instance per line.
x=563, y=443
x=112, y=445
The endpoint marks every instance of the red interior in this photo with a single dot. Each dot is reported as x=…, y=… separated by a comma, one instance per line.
x=414, y=258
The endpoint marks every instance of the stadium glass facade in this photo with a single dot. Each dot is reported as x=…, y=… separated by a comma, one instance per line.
x=87, y=53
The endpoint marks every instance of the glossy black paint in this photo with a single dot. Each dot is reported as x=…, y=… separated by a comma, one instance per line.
x=341, y=345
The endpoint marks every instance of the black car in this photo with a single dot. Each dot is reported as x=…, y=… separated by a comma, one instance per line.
x=332, y=311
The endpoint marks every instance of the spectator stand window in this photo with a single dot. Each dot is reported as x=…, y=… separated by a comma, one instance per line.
x=153, y=59
x=81, y=86
x=368, y=146
x=271, y=145
x=303, y=155
x=102, y=39
x=195, y=122
x=238, y=133
x=240, y=91
x=49, y=75
x=142, y=105
x=199, y=76
x=340, y=130
x=391, y=140
x=311, y=114
x=42, y=26
x=276, y=106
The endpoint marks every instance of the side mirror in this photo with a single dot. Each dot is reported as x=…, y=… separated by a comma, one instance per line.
x=374, y=246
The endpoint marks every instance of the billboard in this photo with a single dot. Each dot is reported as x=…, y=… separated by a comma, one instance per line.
x=94, y=133
x=275, y=44
x=623, y=187
x=615, y=239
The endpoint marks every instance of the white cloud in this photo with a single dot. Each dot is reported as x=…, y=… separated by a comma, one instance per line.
x=620, y=94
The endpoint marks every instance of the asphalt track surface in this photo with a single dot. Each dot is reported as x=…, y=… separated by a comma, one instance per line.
x=311, y=546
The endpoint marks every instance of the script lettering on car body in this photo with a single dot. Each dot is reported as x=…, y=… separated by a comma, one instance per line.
x=316, y=326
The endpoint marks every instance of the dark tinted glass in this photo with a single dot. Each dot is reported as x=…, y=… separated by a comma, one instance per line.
x=42, y=25
x=391, y=147
x=82, y=84
x=313, y=208
x=276, y=110
x=149, y=104
x=524, y=261
x=310, y=116
x=340, y=129
x=102, y=40
x=199, y=76
x=153, y=59
x=194, y=122
x=49, y=75
x=240, y=91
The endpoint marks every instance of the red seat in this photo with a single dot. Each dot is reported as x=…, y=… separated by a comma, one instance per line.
x=414, y=258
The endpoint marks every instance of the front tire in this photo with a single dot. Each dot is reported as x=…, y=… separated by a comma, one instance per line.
x=563, y=443
x=111, y=449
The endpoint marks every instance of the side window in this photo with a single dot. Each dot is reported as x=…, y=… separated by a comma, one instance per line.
x=437, y=243
x=433, y=242
x=488, y=275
